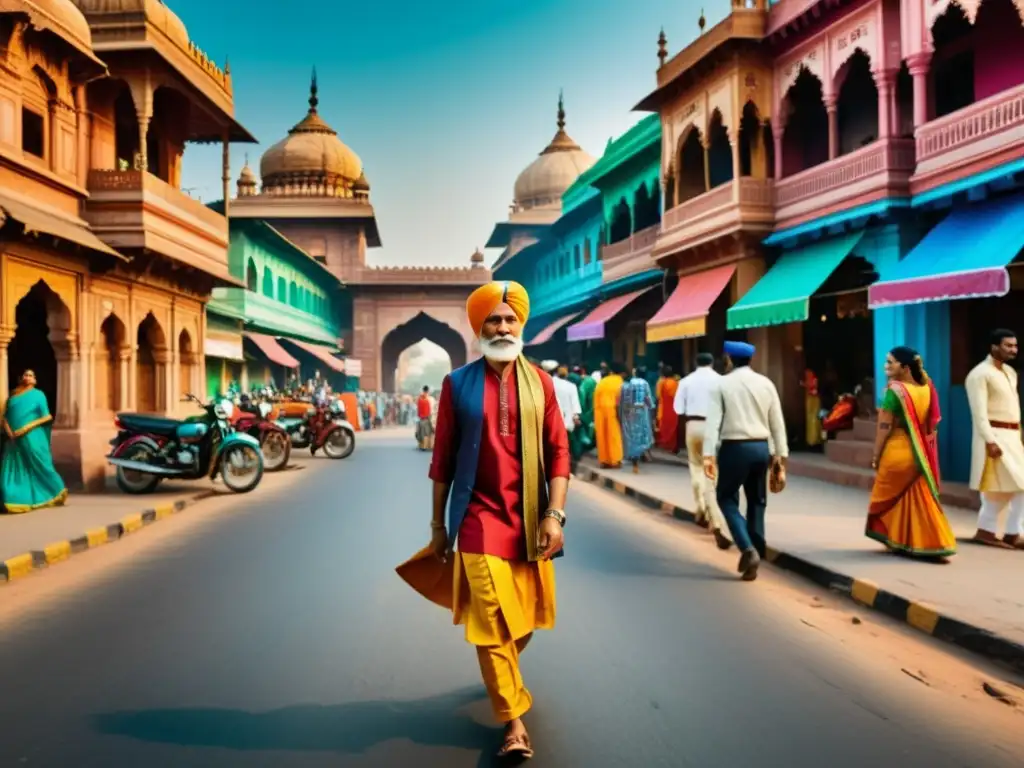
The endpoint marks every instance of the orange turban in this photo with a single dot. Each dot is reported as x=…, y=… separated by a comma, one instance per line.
x=484, y=299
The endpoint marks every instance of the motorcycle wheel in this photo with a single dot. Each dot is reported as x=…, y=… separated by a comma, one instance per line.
x=277, y=449
x=241, y=468
x=339, y=444
x=132, y=481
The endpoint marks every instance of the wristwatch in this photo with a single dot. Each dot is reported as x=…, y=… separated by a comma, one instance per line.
x=558, y=514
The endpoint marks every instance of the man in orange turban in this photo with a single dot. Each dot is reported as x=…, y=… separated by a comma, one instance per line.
x=501, y=473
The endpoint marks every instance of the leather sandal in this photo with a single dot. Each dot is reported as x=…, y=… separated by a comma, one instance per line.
x=516, y=746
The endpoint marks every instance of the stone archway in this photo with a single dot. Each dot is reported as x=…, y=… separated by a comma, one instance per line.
x=150, y=361
x=422, y=326
x=41, y=338
x=111, y=364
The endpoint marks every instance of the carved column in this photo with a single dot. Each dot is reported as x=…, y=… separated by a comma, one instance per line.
x=833, y=127
x=226, y=169
x=706, y=145
x=777, y=137
x=124, y=361
x=6, y=336
x=734, y=145
x=163, y=369
x=919, y=65
x=885, y=81
x=142, y=94
x=65, y=348
x=82, y=136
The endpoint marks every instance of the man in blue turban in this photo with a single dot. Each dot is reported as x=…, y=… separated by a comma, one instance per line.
x=744, y=437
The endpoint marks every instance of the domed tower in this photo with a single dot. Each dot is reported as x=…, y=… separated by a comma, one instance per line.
x=247, y=181
x=477, y=259
x=312, y=160
x=543, y=182
x=361, y=187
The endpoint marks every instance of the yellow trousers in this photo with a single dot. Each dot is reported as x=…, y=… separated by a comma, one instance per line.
x=501, y=603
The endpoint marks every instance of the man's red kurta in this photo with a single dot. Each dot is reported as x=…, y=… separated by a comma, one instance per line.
x=493, y=524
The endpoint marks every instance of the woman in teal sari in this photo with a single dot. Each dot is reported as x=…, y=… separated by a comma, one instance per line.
x=28, y=479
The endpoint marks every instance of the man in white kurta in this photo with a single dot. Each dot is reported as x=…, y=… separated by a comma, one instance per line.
x=997, y=452
x=566, y=393
x=691, y=404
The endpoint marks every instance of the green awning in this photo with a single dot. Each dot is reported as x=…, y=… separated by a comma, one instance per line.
x=783, y=294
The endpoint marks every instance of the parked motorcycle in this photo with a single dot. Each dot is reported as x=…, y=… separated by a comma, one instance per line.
x=252, y=419
x=329, y=430
x=149, y=449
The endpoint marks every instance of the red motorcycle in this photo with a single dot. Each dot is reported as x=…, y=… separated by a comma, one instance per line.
x=328, y=429
x=251, y=419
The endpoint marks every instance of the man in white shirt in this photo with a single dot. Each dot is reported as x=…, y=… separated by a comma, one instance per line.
x=997, y=453
x=691, y=403
x=744, y=436
x=566, y=393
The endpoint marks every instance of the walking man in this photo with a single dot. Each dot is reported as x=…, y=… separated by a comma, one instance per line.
x=691, y=404
x=997, y=453
x=424, y=426
x=568, y=397
x=744, y=437
x=501, y=472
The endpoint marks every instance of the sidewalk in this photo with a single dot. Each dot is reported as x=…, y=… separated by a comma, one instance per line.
x=818, y=530
x=87, y=520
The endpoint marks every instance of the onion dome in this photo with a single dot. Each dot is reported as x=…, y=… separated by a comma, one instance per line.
x=311, y=160
x=545, y=179
x=247, y=181
x=477, y=259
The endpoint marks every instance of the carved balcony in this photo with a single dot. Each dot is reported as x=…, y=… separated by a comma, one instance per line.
x=976, y=138
x=880, y=170
x=739, y=207
x=630, y=256
x=133, y=210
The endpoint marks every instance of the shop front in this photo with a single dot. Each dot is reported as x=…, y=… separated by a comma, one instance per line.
x=961, y=281
x=811, y=306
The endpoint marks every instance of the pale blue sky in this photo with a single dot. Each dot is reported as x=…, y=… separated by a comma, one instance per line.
x=445, y=101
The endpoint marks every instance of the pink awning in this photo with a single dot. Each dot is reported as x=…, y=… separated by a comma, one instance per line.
x=274, y=352
x=591, y=327
x=322, y=354
x=550, y=330
x=684, y=315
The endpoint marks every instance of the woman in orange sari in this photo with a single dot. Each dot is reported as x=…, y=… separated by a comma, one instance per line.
x=904, y=513
x=668, y=420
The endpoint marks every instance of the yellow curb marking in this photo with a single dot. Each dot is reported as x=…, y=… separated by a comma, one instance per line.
x=97, y=537
x=132, y=522
x=165, y=511
x=19, y=566
x=59, y=550
x=864, y=592
x=771, y=554
x=922, y=617
x=619, y=487
x=668, y=508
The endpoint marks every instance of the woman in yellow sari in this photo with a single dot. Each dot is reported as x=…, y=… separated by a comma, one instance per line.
x=904, y=513
x=607, y=430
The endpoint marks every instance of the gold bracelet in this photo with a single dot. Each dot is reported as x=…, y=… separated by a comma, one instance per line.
x=436, y=526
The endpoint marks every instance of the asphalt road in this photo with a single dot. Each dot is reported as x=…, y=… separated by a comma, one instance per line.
x=279, y=635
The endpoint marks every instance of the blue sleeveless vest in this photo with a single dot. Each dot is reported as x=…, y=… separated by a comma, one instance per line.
x=467, y=387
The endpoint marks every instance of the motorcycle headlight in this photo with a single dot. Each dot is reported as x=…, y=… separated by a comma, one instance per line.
x=224, y=409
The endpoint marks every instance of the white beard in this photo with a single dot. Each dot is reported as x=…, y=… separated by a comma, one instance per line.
x=501, y=349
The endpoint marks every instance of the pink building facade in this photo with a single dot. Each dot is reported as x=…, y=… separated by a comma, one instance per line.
x=897, y=137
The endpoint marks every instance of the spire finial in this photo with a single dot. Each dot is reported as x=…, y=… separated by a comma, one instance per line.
x=313, y=100
x=246, y=158
x=662, y=49
x=702, y=22
x=561, y=111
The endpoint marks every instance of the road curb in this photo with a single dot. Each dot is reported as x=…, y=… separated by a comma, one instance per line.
x=921, y=616
x=22, y=565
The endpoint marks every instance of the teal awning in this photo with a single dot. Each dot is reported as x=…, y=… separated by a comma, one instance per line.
x=783, y=294
x=964, y=257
